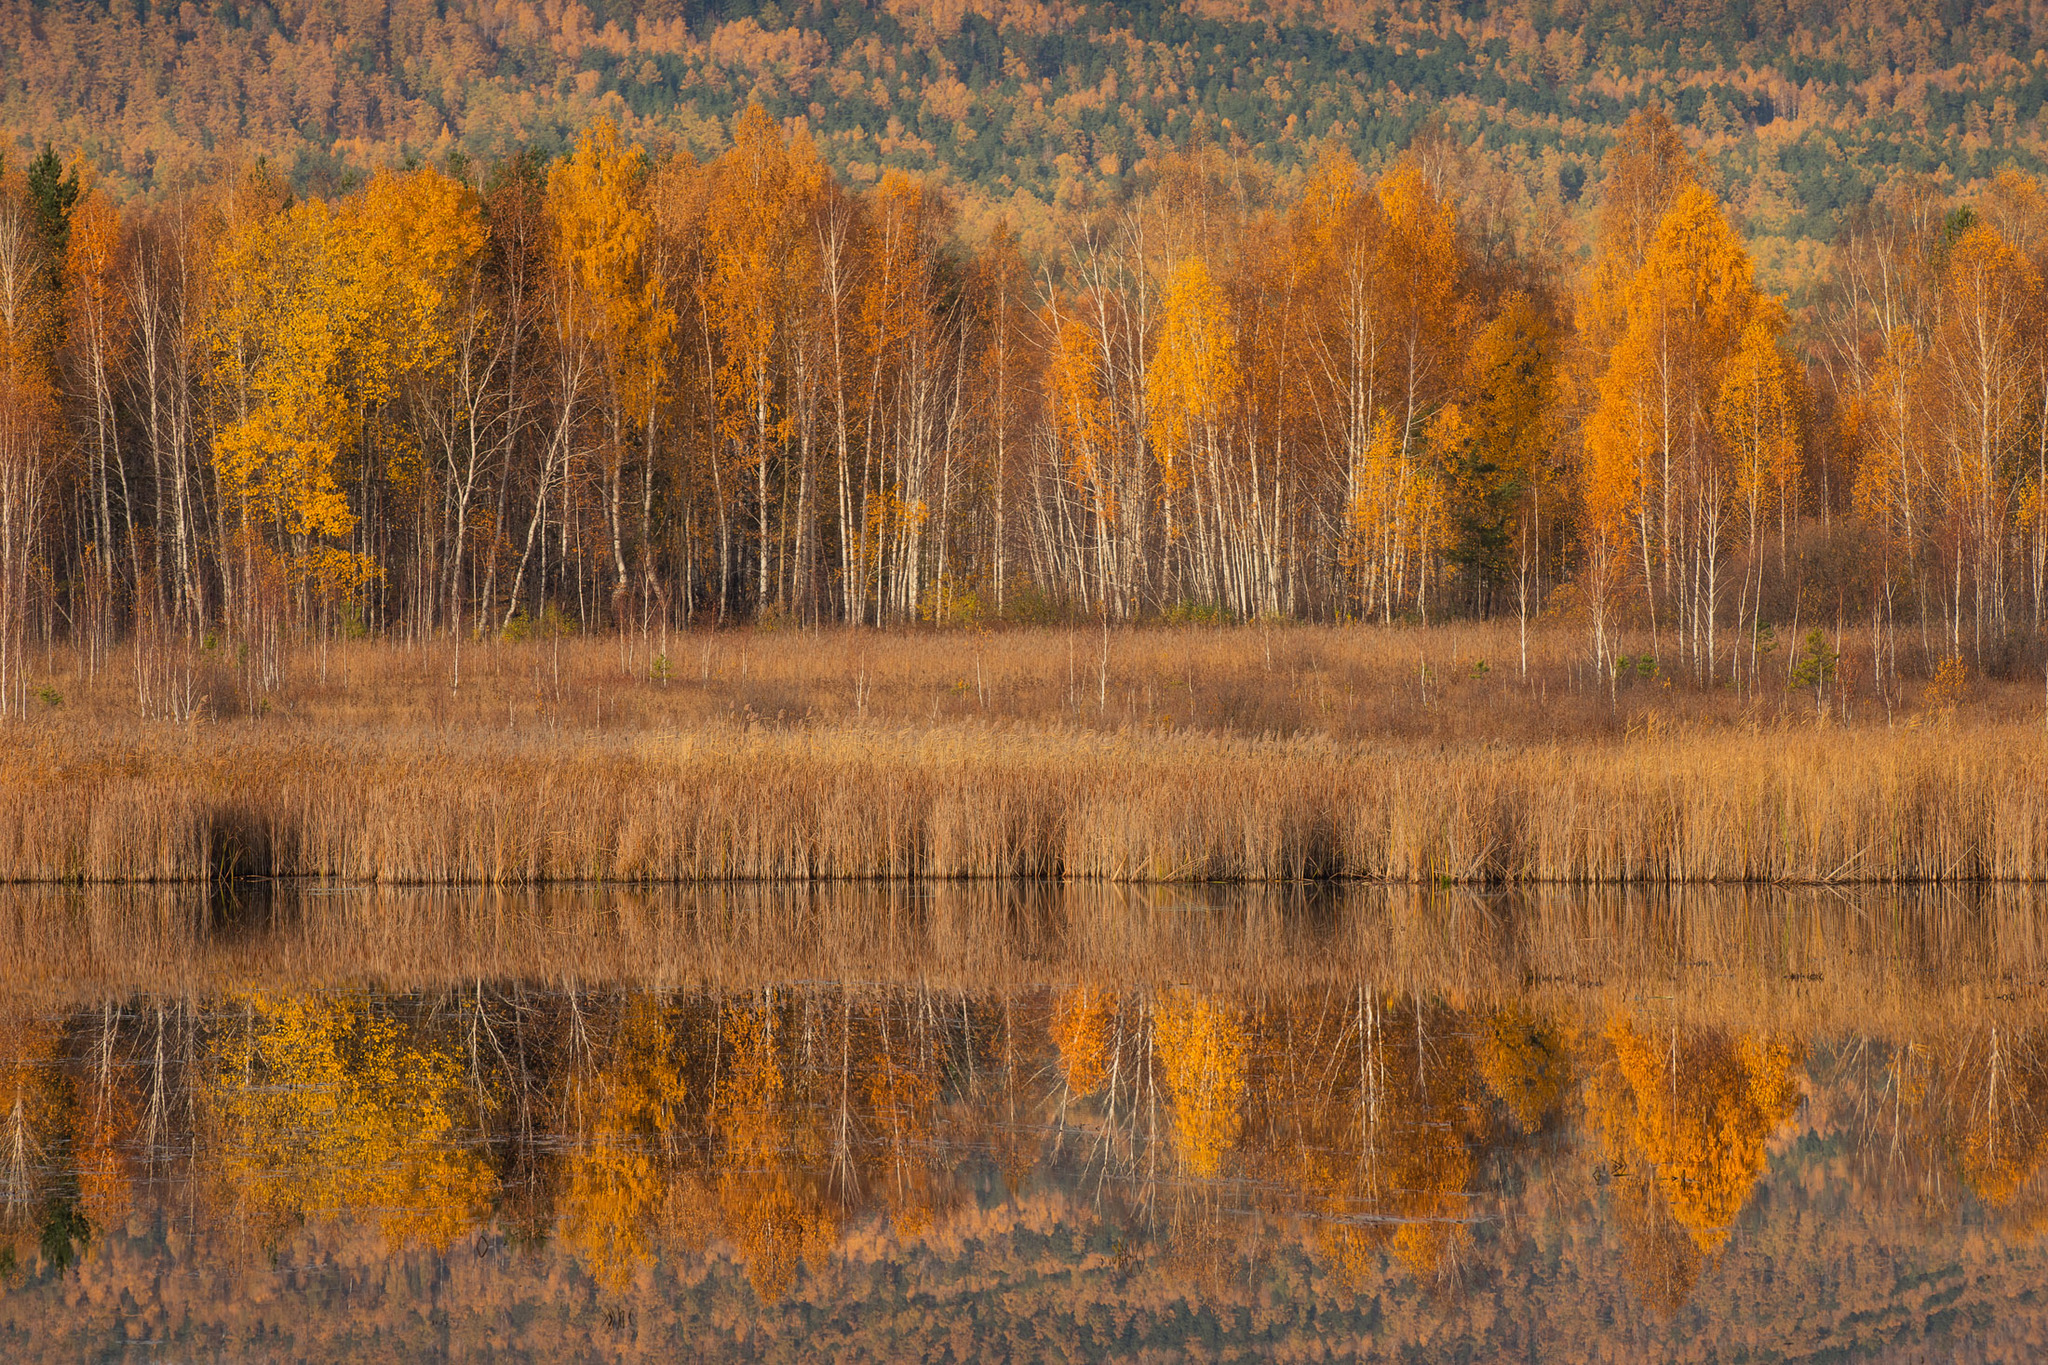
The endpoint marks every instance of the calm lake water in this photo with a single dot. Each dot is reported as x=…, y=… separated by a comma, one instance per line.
x=972, y=1122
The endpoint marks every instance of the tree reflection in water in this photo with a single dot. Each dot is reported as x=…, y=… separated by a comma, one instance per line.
x=1340, y=1137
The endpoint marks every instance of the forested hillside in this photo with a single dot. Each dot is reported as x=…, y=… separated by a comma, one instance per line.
x=1800, y=107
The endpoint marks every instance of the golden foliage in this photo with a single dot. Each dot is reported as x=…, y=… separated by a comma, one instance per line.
x=750, y=1085
x=1757, y=416
x=281, y=320
x=1081, y=411
x=757, y=248
x=1080, y=1029
x=318, y=316
x=1700, y=1111
x=1193, y=374
x=602, y=244
x=1201, y=1047
x=322, y=1105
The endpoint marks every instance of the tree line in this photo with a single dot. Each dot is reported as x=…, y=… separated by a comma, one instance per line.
x=611, y=392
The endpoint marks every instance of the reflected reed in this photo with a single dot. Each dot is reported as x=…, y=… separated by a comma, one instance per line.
x=1810, y=957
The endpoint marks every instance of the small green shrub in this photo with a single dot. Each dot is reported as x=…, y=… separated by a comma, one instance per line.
x=1027, y=604
x=1187, y=612
x=1815, y=667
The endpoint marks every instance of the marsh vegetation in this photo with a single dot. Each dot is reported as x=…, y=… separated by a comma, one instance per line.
x=1188, y=754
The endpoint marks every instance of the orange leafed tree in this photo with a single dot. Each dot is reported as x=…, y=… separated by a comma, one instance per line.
x=611, y=303
x=759, y=255
x=1659, y=485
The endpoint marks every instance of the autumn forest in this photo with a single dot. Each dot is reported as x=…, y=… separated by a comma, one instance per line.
x=1227, y=680
x=611, y=393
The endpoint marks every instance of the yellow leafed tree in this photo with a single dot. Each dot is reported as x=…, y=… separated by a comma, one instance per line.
x=1193, y=371
x=903, y=1091
x=290, y=308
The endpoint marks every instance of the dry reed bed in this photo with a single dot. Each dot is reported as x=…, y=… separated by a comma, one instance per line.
x=726, y=803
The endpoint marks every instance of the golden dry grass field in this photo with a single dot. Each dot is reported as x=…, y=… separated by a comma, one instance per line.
x=1156, y=755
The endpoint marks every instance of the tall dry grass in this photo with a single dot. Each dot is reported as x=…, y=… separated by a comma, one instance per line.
x=1157, y=756
x=725, y=803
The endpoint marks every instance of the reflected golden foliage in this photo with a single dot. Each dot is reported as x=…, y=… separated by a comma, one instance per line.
x=30, y=1101
x=1997, y=1090
x=617, y=1182
x=1372, y=1130
x=32, y=1106
x=321, y=1105
x=1417, y=1114
x=1525, y=1061
x=1080, y=1029
x=775, y=1222
x=1201, y=1048
x=750, y=1085
x=1660, y=1258
x=105, y=1121
x=1700, y=1111
x=768, y=1210
x=903, y=1094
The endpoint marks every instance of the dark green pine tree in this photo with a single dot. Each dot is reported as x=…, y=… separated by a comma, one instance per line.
x=52, y=194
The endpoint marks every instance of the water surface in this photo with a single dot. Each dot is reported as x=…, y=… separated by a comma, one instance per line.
x=901, y=1122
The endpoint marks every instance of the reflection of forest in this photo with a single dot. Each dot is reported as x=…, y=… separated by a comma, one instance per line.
x=1554, y=1124
x=787, y=1129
